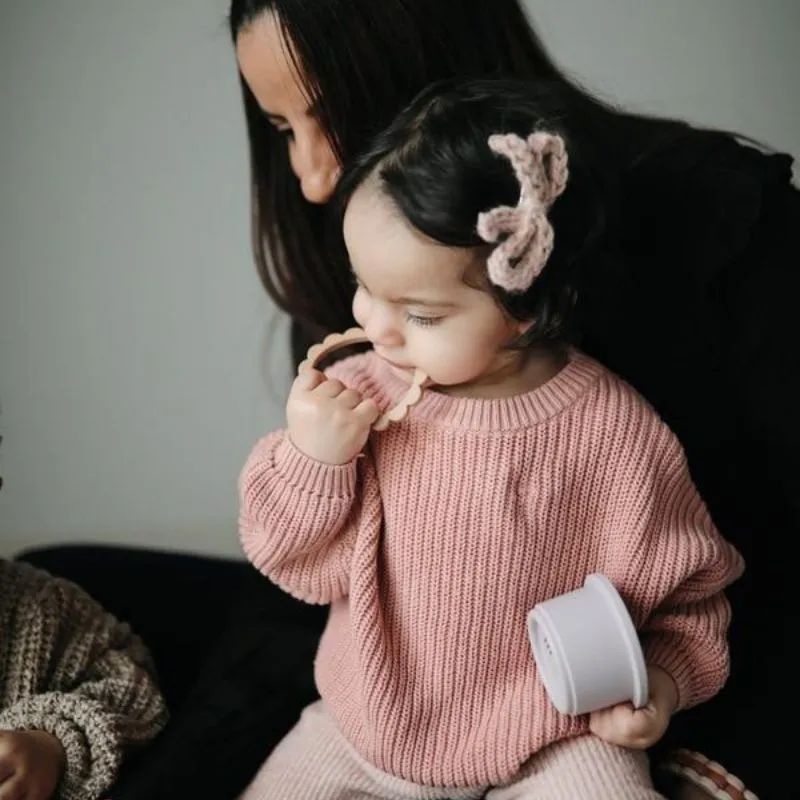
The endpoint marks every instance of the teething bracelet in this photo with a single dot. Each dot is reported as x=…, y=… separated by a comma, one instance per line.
x=353, y=336
x=707, y=775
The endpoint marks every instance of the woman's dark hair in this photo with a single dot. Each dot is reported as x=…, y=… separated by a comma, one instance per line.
x=435, y=166
x=361, y=62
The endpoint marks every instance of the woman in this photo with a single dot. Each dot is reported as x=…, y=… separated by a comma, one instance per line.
x=697, y=293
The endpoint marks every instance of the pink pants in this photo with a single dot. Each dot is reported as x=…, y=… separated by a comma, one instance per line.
x=315, y=762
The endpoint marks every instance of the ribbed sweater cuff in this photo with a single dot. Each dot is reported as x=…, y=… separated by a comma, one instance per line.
x=664, y=654
x=86, y=733
x=314, y=477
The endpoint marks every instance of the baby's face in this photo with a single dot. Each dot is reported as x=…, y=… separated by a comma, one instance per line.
x=414, y=304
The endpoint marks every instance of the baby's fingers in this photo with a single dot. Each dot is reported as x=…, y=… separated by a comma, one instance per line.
x=308, y=380
x=349, y=399
x=368, y=411
x=601, y=723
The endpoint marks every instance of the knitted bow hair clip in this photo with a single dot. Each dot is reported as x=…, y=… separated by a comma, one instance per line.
x=540, y=164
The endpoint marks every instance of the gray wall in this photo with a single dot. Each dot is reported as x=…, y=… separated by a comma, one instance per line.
x=733, y=64
x=135, y=364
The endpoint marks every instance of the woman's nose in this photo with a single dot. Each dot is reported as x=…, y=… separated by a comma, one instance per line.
x=314, y=163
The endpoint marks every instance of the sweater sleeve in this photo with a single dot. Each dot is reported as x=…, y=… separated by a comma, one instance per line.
x=299, y=519
x=671, y=565
x=82, y=676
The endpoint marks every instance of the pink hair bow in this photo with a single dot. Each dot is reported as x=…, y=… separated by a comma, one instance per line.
x=540, y=164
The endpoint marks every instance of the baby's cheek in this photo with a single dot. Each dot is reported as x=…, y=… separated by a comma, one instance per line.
x=452, y=365
x=360, y=307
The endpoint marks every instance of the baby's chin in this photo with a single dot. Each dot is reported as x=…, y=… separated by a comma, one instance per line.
x=407, y=374
x=465, y=385
x=404, y=373
x=447, y=383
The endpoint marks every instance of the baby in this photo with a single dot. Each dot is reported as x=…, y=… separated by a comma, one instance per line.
x=524, y=467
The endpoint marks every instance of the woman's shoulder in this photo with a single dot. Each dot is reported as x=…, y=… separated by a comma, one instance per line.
x=705, y=195
x=704, y=236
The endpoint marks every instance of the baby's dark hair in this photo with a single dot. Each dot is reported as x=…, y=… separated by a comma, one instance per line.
x=435, y=165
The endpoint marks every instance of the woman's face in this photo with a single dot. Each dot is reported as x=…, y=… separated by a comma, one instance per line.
x=267, y=68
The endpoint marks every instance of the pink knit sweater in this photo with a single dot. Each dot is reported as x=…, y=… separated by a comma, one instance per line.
x=433, y=547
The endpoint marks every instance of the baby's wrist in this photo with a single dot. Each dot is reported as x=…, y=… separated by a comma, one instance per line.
x=663, y=689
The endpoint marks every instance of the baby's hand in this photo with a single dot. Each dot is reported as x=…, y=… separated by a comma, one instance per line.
x=638, y=728
x=31, y=764
x=327, y=421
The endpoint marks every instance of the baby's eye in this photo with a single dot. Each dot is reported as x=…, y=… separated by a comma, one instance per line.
x=423, y=322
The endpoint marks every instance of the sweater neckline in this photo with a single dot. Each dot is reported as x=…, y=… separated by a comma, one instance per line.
x=500, y=413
